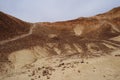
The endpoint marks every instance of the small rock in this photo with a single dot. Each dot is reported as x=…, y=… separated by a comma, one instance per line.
x=82, y=61
x=48, y=77
x=32, y=79
x=45, y=72
x=79, y=71
x=39, y=76
x=33, y=73
x=39, y=68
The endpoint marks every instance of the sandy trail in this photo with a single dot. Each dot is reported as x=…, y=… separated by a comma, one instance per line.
x=18, y=37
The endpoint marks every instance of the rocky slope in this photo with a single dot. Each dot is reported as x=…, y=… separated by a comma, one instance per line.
x=11, y=26
x=23, y=43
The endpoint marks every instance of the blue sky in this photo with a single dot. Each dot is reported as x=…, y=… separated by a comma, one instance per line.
x=55, y=10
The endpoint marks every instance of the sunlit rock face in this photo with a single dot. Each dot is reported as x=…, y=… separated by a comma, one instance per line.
x=88, y=37
x=78, y=30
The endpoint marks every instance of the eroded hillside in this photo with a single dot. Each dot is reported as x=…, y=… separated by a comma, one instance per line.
x=82, y=35
x=22, y=43
x=11, y=26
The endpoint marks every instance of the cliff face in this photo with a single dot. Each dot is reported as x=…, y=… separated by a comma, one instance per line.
x=11, y=26
x=93, y=36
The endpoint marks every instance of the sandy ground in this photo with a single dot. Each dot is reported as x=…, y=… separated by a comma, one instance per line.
x=69, y=68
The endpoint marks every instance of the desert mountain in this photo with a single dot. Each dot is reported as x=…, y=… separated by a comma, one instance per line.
x=92, y=36
x=83, y=48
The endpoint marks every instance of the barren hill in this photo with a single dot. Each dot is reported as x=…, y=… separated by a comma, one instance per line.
x=65, y=37
x=22, y=43
x=11, y=26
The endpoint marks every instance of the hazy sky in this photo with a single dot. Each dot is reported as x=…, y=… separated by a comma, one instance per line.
x=55, y=10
